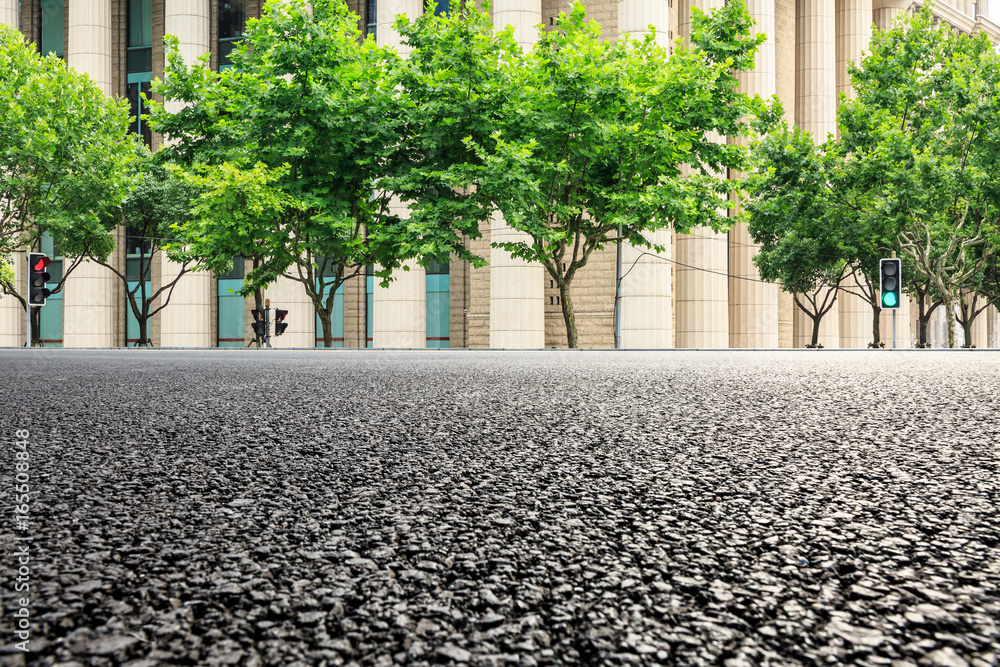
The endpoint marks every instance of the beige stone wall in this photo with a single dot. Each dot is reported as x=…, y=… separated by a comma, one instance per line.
x=458, y=302
x=355, y=305
x=593, y=295
x=477, y=320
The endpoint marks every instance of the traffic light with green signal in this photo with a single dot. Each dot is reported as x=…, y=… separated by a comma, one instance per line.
x=891, y=282
x=38, y=277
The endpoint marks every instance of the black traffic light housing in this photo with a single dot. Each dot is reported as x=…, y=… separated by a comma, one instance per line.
x=38, y=277
x=891, y=282
x=279, y=321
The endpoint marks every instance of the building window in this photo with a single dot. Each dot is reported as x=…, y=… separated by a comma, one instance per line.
x=437, y=286
x=232, y=23
x=369, y=305
x=139, y=56
x=232, y=307
x=371, y=17
x=337, y=316
x=137, y=107
x=139, y=64
x=137, y=268
x=442, y=7
x=50, y=38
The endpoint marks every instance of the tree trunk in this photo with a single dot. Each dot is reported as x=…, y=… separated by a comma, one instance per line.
x=876, y=329
x=36, y=327
x=258, y=304
x=815, y=337
x=922, y=319
x=327, y=325
x=568, y=316
x=950, y=314
x=143, y=325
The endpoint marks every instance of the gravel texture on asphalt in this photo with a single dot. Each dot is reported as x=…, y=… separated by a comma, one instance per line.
x=505, y=508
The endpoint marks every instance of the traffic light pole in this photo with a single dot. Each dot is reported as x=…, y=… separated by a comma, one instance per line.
x=27, y=310
x=267, y=326
x=894, y=328
x=267, y=323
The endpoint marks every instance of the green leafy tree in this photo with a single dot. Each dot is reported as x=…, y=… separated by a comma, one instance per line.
x=458, y=83
x=319, y=110
x=593, y=136
x=924, y=136
x=65, y=159
x=156, y=202
x=799, y=221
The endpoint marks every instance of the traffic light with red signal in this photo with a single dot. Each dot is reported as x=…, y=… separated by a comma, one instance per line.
x=38, y=278
x=279, y=321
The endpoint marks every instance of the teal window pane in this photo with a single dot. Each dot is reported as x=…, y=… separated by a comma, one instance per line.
x=336, y=319
x=47, y=245
x=51, y=38
x=140, y=24
x=50, y=325
x=131, y=322
x=232, y=313
x=369, y=309
x=437, y=310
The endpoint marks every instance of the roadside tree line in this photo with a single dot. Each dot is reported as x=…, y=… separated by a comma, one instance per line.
x=321, y=154
x=915, y=171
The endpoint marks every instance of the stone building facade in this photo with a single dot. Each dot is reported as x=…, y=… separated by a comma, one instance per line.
x=702, y=291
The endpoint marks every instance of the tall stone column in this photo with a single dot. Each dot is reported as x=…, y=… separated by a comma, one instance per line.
x=646, y=305
x=517, y=287
x=980, y=331
x=523, y=15
x=400, y=310
x=753, y=305
x=186, y=321
x=884, y=12
x=816, y=112
x=8, y=13
x=992, y=327
x=702, y=298
x=88, y=297
x=854, y=19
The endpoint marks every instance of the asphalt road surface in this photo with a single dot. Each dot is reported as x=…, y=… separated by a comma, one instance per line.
x=501, y=508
